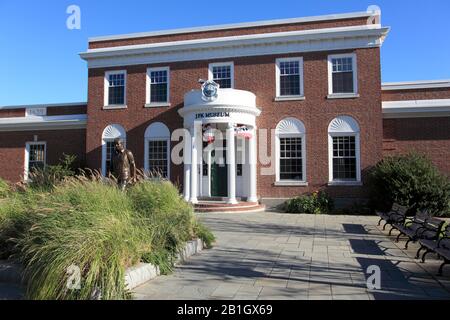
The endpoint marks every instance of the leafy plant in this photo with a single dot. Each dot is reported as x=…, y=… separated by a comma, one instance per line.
x=410, y=180
x=318, y=202
x=48, y=177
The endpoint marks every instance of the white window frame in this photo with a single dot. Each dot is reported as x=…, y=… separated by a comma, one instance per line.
x=279, y=181
x=221, y=64
x=27, y=156
x=106, y=104
x=278, y=97
x=353, y=94
x=331, y=181
x=118, y=132
x=148, y=103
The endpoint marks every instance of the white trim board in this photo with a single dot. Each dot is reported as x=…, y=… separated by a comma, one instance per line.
x=416, y=108
x=329, y=17
x=367, y=36
x=76, y=121
x=411, y=85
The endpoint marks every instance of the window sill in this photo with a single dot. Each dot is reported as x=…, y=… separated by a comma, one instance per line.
x=343, y=96
x=290, y=98
x=115, y=106
x=157, y=104
x=291, y=183
x=345, y=183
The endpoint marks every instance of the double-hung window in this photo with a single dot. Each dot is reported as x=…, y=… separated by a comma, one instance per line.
x=289, y=78
x=109, y=155
x=158, y=84
x=344, y=158
x=158, y=161
x=291, y=159
x=35, y=157
x=342, y=74
x=222, y=73
x=115, y=89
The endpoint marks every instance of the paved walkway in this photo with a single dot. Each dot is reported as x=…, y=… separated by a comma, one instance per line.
x=285, y=256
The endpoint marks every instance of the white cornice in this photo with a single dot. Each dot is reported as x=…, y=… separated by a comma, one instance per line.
x=73, y=121
x=264, y=23
x=51, y=105
x=416, y=108
x=365, y=36
x=409, y=85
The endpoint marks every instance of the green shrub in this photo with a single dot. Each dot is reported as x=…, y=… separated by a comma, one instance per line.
x=204, y=234
x=409, y=180
x=318, y=202
x=4, y=189
x=48, y=177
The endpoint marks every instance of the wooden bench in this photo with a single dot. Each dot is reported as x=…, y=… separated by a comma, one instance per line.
x=396, y=214
x=412, y=227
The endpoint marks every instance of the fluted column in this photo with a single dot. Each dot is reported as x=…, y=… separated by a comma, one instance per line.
x=231, y=162
x=187, y=165
x=252, y=196
x=194, y=166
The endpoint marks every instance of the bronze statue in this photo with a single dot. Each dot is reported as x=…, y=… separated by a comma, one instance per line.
x=124, y=168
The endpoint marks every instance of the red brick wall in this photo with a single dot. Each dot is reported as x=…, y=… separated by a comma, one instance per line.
x=256, y=74
x=230, y=32
x=12, y=113
x=416, y=94
x=12, y=149
x=430, y=136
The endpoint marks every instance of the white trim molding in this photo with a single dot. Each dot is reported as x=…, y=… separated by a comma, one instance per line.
x=157, y=131
x=416, y=108
x=333, y=95
x=221, y=64
x=106, y=104
x=411, y=85
x=327, y=39
x=148, y=88
x=330, y=17
x=344, y=126
x=278, y=96
x=27, y=156
x=72, y=121
x=290, y=128
x=51, y=105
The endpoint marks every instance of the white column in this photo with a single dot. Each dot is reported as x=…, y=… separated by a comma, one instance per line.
x=231, y=162
x=187, y=165
x=194, y=165
x=252, y=159
x=209, y=173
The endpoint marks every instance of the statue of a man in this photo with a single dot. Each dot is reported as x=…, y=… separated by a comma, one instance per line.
x=124, y=167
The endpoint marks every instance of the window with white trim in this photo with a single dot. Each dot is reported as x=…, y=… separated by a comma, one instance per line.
x=157, y=150
x=290, y=152
x=344, y=151
x=158, y=80
x=289, y=77
x=115, y=88
x=108, y=158
x=110, y=133
x=342, y=74
x=222, y=73
x=36, y=155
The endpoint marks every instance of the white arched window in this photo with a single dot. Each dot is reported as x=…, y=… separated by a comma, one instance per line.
x=344, y=151
x=157, y=149
x=290, y=148
x=110, y=133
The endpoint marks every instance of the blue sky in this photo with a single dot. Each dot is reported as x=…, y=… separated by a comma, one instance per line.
x=40, y=55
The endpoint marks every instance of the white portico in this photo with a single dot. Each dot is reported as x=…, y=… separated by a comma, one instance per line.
x=220, y=149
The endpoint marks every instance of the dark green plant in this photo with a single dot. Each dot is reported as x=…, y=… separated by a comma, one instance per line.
x=318, y=202
x=4, y=189
x=48, y=177
x=410, y=180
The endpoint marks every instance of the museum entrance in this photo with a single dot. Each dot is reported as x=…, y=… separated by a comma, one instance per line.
x=219, y=170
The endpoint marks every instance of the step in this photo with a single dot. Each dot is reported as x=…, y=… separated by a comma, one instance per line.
x=202, y=204
x=231, y=208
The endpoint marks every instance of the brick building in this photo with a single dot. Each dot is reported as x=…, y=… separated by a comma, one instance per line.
x=285, y=107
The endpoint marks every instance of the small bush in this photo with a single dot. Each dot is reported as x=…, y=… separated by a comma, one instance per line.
x=4, y=189
x=412, y=181
x=318, y=202
x=48, y=177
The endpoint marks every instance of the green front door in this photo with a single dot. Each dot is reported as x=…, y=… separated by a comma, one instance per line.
x=219, y=173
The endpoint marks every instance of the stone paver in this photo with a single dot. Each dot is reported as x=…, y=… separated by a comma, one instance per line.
x=288, y=256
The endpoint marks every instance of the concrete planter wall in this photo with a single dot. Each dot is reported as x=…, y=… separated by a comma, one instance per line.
x=134, y=276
